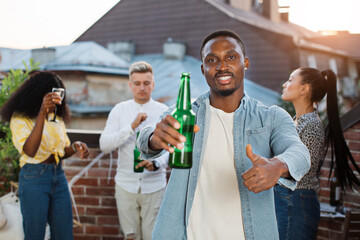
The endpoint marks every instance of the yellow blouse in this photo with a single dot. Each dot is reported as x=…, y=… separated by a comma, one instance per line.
x=54, y=138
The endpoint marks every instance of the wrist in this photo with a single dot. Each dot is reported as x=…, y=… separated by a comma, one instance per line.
x=283, y=168
x=42, y=113
x=150, y=146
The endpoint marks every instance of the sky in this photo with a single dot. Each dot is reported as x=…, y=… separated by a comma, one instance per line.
x=326, y=14
x=26, y=24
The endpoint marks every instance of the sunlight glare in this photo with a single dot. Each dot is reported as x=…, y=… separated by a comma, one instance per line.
x=326, y=14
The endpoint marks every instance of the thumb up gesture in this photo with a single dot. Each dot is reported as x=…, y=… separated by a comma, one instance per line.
x=264, y=172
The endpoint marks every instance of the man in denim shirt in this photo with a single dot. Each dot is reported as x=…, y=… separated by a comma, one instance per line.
x=241, y=150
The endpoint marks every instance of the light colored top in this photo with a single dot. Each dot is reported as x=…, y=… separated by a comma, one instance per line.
x=270, y=131
x=118, y=134
x=54, y=138
x=216, y=210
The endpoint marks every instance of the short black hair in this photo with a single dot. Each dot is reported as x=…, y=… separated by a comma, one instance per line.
x=225, y=33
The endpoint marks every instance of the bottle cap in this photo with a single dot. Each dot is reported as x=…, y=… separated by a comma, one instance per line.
x=185, y=74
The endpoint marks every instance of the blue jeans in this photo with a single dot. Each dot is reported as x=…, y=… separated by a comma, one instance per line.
x=44, y=197
x=297, y=213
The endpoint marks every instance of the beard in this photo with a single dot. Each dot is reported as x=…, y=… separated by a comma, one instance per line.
x=225, y=92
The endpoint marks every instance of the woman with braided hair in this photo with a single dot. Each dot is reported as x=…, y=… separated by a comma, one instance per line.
x=298, y=211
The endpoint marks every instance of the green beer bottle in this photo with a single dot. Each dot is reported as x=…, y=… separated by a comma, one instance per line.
x=182, y=158
x=137, y=159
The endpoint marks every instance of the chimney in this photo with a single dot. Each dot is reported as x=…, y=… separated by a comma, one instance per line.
x=270, y=10
x=174, y=50
x=284, y=16
x=43, y=55
x=123, y=49
x=284, y=13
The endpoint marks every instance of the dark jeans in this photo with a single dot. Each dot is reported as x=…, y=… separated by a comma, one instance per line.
x=297, y=213
x=44, y=197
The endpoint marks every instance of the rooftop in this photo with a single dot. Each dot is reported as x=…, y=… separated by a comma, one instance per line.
x=79, y=56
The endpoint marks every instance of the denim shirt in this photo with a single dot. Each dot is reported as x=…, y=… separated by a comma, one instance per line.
x=270, y=131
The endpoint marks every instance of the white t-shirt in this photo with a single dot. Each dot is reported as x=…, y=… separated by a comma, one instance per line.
x=216, y=210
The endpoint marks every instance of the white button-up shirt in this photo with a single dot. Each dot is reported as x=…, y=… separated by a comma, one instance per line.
x=118, y=133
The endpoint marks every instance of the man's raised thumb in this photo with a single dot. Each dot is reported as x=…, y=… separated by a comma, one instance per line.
x=249, y=153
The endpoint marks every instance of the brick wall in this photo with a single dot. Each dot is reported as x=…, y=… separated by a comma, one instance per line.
x=94, y=196
x=332, y=228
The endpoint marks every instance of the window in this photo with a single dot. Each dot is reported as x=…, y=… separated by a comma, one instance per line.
x=311, y=59
x=257, y=5
x=333, y=65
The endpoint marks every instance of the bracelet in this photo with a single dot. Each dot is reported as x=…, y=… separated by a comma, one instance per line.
x=73, y=147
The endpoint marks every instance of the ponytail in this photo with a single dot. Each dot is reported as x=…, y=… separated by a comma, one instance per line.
x=340, y=153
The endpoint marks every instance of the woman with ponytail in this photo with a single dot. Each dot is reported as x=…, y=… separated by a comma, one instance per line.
x=298, y=212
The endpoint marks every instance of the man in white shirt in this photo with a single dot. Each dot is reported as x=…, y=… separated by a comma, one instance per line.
x=138, y=195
